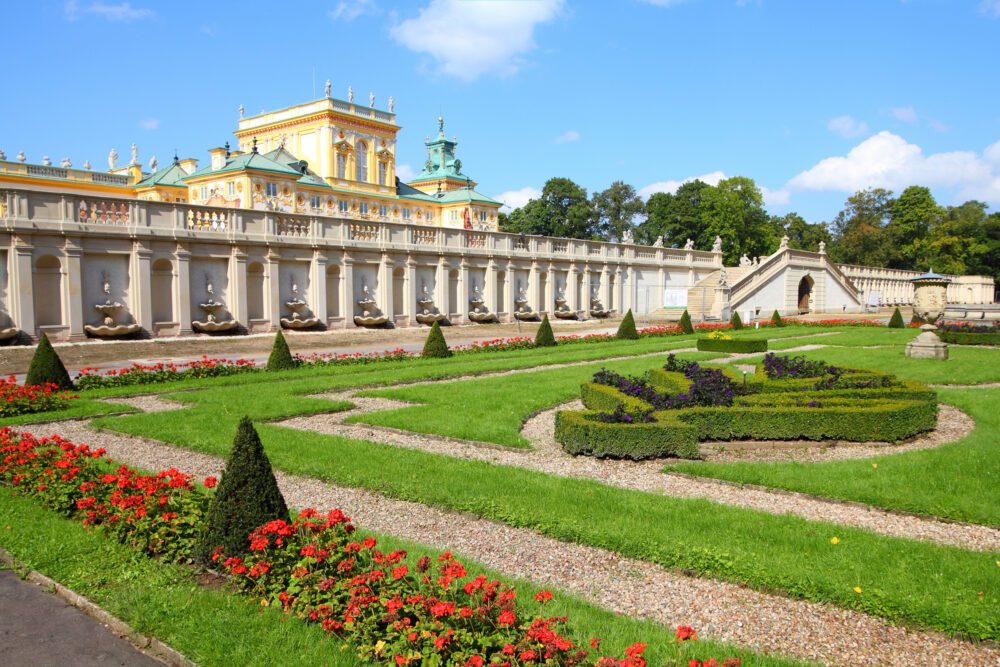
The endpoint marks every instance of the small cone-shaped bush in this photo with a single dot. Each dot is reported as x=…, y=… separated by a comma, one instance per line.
x=435, y=346
x=776, y=319
x=736, y=321
x=896, y=321
x=626, y=330
x=281, y=357
x=686, y=325
x=544, y=336
x=46, y=366
x=247, y=497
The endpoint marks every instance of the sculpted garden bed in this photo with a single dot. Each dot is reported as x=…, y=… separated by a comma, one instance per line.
x=969, y=334
x=721, y=342
x=671, y=409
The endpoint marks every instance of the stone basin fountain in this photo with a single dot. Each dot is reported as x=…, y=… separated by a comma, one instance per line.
x=300, y=310
x=370, y=315
x=562, y=311
x=109, y=328
x=597, y=309
x=213, y=309
x=479, y=313
x=6, y=333
x=521, y=309
x=427, y=314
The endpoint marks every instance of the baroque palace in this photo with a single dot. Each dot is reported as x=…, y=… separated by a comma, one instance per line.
x=305, y=225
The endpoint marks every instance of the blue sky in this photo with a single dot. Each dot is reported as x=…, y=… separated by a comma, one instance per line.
x=813, y=99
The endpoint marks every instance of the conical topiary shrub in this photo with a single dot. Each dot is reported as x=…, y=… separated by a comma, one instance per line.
x=281, y=357
x=686, y=325
x=247, y=497
x=776, y=319
x=626, y=330
x=46, y=366
x=896, y=321
x=544, y=336
x=736, y=321
x=435, y=346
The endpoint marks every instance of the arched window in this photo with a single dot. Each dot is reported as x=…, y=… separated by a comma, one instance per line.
x=362, y=161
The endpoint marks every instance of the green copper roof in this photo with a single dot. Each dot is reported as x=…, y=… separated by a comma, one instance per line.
x=170, y=176
x=248, y=161
x=408, y=192
x=465, y=195
x=441, y=161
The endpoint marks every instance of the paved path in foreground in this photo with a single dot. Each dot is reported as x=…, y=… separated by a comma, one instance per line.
x=38, y=629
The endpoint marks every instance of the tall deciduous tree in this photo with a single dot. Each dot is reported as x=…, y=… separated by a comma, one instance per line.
x=859, y=233
x=562, y=210
x=802, y=235
x=911, y=218
x=616, y=210
x=676, y=217
x=734, y=210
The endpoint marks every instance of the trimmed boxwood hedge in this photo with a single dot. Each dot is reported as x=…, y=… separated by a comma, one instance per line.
x=736, y=345
x=773, y=410
x=962, y=338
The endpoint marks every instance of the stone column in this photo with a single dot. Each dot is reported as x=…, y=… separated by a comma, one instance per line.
x=182, y=289
x=534, y=298
x=384, y=292
x=572, y=288
x=463, y=290
x=661, y=279
x=410, y=291
x=347, y=289
x=72, y=288
x=141, y=289
x=317, y=286
x=549, y=302
x=490, y=289
x=585, y=290
x=604, y=290
x=238, y=286
x=21, y=289
x=441, y=287
x=273, y=291
x=509, y=292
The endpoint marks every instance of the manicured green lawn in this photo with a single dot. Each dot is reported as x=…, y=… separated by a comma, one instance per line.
x=216, y=627
x=78, y=408
x=495, y=409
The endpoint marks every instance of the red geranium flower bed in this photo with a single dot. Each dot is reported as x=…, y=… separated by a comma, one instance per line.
x=16, y=400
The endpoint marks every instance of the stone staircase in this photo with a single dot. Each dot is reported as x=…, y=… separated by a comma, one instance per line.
x=702, y=296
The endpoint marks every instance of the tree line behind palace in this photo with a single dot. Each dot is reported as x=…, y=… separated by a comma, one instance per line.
x=875, y=228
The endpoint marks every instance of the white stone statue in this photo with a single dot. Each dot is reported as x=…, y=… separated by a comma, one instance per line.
x=689, y=245
x=350, y=94
x=717, y=245
x=107, y=283
x=627, y=237
x=21, y=157
x=153, y=164
x=135, y=154
x=756, y=260
x=392, y=104
x=822, y=247
x=112, y=160
x=47, y=161
x=723, y=278
x=326, y=89
x=371, y=100
x=658, y=243
x=745, y=261
x=295, y=287
x=3, y=156
x=87, y=165
x=66, y=163
x=208, y=285
x=241, y=111
x=784, y=242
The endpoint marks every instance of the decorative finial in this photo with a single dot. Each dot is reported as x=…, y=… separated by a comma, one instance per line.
x=326, y=89
x=177, y=160
x=153, y=163
x=112, y=159
x=254, y=149
x=371, y=100
x=86, y=165
x=350, y=94
x=392, y=104
x=135, y=155
x=441, y=125
x=241, y=112
x=46, y=161
x=21, y=157
x=66, y=163
x=227, y=148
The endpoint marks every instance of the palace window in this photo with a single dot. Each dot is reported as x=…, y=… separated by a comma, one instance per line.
x=383, y=169
x=231, y=189
x=341, y=165
x=314, y=201
x=271, y=189
x=406, y=214
x=362, y=161
x=382, y=210
x=203, y=193
x=454, y=215
x=343, y=206
x=364, y=208
x=482, y=216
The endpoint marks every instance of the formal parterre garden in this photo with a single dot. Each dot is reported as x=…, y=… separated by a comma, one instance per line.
x=308, y=587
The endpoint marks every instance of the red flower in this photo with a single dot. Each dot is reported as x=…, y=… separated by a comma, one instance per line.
x=543, y=596
x=506, y=618
x=685, y=633
x=210, y=482
x=474, y=661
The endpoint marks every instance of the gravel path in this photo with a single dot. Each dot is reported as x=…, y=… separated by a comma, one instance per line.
x=549, y=457
x=719, y=610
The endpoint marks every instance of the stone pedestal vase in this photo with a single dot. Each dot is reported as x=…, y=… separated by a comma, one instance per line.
x=927, y=345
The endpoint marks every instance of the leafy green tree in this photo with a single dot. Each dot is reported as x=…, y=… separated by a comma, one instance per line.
x=435, y=347
x=247, y=496
x=626, y=330
x=962, y=239
x=46, y=366
x=616, y=210
x=676, y=217
x=859, y=235
x=734, y=210
x=912, y=216
x=280, y=358
x=544, y=336
x=802, y=235
x=562, y=210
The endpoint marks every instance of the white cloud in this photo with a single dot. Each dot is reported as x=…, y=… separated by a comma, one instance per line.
x=905, y=114
x=150, y=123
x=847, y=126
x=567, y=137
x=712, y=178
x=470, y=39
x=405, y=173
x=889, y=161
x=517, y=198
x=123, y=12
x=775, y=198
x=990, y=8
x=351, y=9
